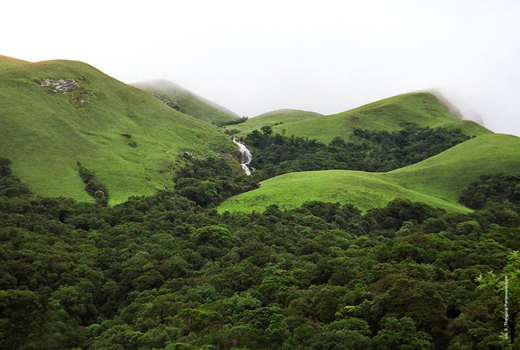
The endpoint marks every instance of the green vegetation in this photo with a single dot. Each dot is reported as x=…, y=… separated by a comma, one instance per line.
x=187, y=102
x=201, y=260
x=363, y=190
x=279, y=118
x=45, y=132
x=207, y=182
x=233, y=122
x=368, y=150
x=437, y=181
x=94, y=188
x=10, y=186
x=447, y=174
x=391, y=114
x=162, y=273
x=497, y=188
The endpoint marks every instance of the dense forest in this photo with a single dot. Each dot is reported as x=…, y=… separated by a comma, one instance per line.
x=169, y=272
x=374, y=151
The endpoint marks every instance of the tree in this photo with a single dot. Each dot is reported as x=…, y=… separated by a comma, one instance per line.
x=494, y=283
x=401, y=334
x=267, y=130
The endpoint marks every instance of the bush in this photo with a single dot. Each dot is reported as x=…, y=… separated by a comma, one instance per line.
x=93, y=187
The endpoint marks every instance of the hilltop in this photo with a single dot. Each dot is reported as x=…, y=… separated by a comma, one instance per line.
x=280, y=117
x=421, y=108
x=187, y=102
x=58, y=113
x=436, y=181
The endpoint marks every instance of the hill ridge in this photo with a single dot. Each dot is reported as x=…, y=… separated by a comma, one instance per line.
x=284, y=110
x=392, y=113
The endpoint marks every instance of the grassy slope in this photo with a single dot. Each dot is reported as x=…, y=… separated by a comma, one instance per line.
x=446, y=174
x=44, y=134
x=364, y=190
x=188, y=102
x=436, y=181
x=284, y=116
x=389, y=114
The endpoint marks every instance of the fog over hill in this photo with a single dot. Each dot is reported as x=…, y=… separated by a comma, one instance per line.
x=327, y=57
x=177, y=92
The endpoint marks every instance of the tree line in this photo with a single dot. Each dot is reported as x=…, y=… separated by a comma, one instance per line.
x=374, y=151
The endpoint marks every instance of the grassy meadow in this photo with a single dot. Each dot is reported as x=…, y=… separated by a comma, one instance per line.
x=364, y=190
x=130, y=139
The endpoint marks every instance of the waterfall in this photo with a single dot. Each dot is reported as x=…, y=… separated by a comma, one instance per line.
x=247, y=157
x=506, y=311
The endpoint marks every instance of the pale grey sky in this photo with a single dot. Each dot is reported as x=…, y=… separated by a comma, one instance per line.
x=253, y=56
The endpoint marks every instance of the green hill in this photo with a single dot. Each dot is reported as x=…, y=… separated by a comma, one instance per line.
x=447, y=173
x=187, y=102
x=280, y=117
x=423, y=109
x=130, y=139
x=436, y=181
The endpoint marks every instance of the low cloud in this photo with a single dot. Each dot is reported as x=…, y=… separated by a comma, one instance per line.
x=326, y=56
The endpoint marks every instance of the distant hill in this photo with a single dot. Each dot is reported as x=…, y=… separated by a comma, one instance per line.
x=436, y=181
x=56, y=113
x=187, y=102
x=281, y=118
x=422, y=108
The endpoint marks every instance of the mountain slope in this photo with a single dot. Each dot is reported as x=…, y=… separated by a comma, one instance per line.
x=280, y=117
x=187, y=102
x=448, y=173
x=390, y=114
x=436, y=181
x=130, y=139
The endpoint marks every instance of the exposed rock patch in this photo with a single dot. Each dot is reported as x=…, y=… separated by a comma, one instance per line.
x=65, y=86
x=223, y=155
x=193, y=155
x=171, y=103
x=61, y=85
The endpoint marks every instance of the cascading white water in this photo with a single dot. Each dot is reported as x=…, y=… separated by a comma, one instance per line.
x=247, y=157
x=506, y=311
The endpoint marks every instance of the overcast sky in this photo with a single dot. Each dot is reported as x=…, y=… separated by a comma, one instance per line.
x=253, y=56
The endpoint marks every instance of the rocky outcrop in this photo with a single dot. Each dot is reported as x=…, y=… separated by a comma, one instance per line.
x=62, y=85
x=172, y=103
x=223, y=155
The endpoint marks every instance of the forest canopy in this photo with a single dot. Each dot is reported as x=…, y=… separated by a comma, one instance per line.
x=168, y=272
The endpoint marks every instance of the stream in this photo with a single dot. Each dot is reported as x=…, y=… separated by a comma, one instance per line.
x=246, y=156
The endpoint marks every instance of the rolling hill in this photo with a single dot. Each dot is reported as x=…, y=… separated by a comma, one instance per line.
x=280, y=117
x=423, y=109
x=447, y=173
x=54, y=114
x=187, y=102
x=436, y=181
